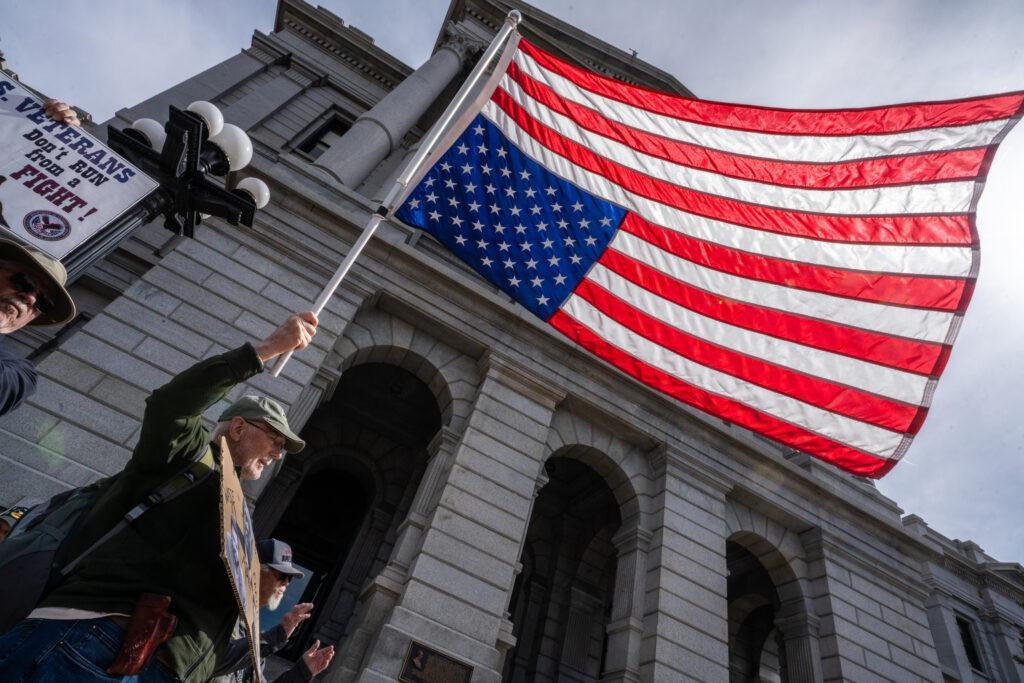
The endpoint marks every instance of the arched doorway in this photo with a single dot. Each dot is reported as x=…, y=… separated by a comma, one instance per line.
x=756, y=651
x=339, y=503
x=561, y=603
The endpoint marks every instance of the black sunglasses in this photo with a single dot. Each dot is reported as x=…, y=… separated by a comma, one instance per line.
x=281, y=576
x=26, y=285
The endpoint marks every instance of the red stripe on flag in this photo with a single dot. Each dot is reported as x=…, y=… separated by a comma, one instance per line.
x=849, y=401
x=831, y=451
x=901, y=290
x=911, y=229
x=895, y=352
x=844, y=122
x=963, y=164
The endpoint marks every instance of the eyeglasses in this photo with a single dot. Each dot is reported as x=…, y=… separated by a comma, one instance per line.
x=279, y=441
x=281, y=576
x=26, y=285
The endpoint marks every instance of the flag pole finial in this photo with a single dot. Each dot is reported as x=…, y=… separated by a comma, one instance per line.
x=514, y=17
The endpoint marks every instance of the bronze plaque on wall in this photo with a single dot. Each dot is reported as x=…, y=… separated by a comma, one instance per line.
x=426, y=665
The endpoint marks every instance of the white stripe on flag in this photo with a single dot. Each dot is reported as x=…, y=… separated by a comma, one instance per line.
x=863, y=436
x=944, y=197
x=912, y=323
x=869, y=377
x=816, y=149
x=888, y=258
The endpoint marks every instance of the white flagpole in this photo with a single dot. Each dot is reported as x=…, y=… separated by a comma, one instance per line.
x=400, y=189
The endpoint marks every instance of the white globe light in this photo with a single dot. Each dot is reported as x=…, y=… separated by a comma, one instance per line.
x=210, y=114
x=257, y=188
x=235, y=144
x=153, y=131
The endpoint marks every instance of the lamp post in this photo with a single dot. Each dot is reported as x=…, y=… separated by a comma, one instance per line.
x=180, y=155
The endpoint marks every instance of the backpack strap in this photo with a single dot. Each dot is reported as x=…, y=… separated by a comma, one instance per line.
x=194, y=473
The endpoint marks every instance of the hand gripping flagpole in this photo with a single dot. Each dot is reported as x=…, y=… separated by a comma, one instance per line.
x=415, y=168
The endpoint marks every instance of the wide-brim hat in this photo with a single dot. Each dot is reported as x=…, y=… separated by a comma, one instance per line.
x=51, y=270
x=265, y=410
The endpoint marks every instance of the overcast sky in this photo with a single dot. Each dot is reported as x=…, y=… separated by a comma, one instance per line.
x=964, y=473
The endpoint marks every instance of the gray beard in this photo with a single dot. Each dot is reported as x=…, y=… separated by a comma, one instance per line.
x=275, y=601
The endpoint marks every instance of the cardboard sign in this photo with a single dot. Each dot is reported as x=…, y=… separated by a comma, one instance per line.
x=59, y=186
x=238, y=550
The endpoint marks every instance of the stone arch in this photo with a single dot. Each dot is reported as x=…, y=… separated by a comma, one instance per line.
x=581, y=592
x=376, y=336
x=768, y=598
x=621, y=464
x=377, y=426
x=776, y=547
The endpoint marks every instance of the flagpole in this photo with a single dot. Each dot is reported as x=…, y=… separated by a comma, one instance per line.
x=398, y=191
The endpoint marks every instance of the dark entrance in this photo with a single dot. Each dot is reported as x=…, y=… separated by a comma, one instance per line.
x=756, y=651
x=340, y=501
x=562, y=599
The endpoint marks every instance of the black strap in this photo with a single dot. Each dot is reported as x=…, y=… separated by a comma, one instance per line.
x=193, y=474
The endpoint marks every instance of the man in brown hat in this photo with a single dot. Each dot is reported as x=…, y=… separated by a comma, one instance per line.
x=31, y=293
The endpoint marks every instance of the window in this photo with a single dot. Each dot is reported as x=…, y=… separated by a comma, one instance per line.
x=970, y=644
x=324, y=136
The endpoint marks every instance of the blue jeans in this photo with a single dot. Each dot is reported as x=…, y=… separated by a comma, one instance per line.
x=55, y=650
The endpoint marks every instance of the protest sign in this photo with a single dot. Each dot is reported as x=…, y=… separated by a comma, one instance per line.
x=238, y=550
x=59, y=186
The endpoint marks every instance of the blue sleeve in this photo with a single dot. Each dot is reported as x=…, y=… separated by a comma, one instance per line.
x=17, y=381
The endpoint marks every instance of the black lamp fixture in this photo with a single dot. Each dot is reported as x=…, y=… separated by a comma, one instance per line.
x=179, y=155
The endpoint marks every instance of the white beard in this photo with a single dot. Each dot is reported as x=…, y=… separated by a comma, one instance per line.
x=275, y=601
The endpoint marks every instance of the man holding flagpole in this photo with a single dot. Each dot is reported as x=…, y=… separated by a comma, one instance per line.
x=143, y=593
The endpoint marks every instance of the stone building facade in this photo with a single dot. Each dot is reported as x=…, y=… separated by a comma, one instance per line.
x=473, y=483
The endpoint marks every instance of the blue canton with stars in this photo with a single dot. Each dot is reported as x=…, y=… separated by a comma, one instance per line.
x=522, y=227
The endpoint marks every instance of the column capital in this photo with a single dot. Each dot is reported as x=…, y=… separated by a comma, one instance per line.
x=461, y=41
x=444, y=441
x=801, y=625
x=632, y=538
x=512, y=375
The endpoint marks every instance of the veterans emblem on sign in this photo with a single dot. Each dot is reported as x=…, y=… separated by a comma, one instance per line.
x=47, y=225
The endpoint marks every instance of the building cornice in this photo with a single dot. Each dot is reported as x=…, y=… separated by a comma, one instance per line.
x=566, y=41
x=345, y=43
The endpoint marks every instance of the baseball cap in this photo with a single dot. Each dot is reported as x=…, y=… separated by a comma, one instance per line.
x=266, y=410
x=53, y=273
x=278, y=556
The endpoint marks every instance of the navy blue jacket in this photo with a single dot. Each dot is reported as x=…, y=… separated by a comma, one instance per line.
x=17, y=379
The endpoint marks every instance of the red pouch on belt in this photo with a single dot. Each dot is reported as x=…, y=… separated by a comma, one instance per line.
x=149, y=626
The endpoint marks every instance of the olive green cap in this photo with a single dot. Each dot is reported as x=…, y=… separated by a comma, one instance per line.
x=51, y=270
x=265, y=410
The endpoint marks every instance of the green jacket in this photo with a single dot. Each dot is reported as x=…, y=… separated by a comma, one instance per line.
x=174, y=548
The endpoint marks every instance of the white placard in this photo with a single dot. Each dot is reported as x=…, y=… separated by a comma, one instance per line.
x=59, y=186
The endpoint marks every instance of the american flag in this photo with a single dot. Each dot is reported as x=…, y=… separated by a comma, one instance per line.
x=801, y=274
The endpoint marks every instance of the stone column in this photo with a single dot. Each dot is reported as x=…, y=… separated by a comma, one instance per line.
x=1005, y=638
x=456, y=593
x=686, y=629
x=584, y=613
x=379, y=131
x=410, y=531
x=626, y=628
x=380, y=595
x=800, y=634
